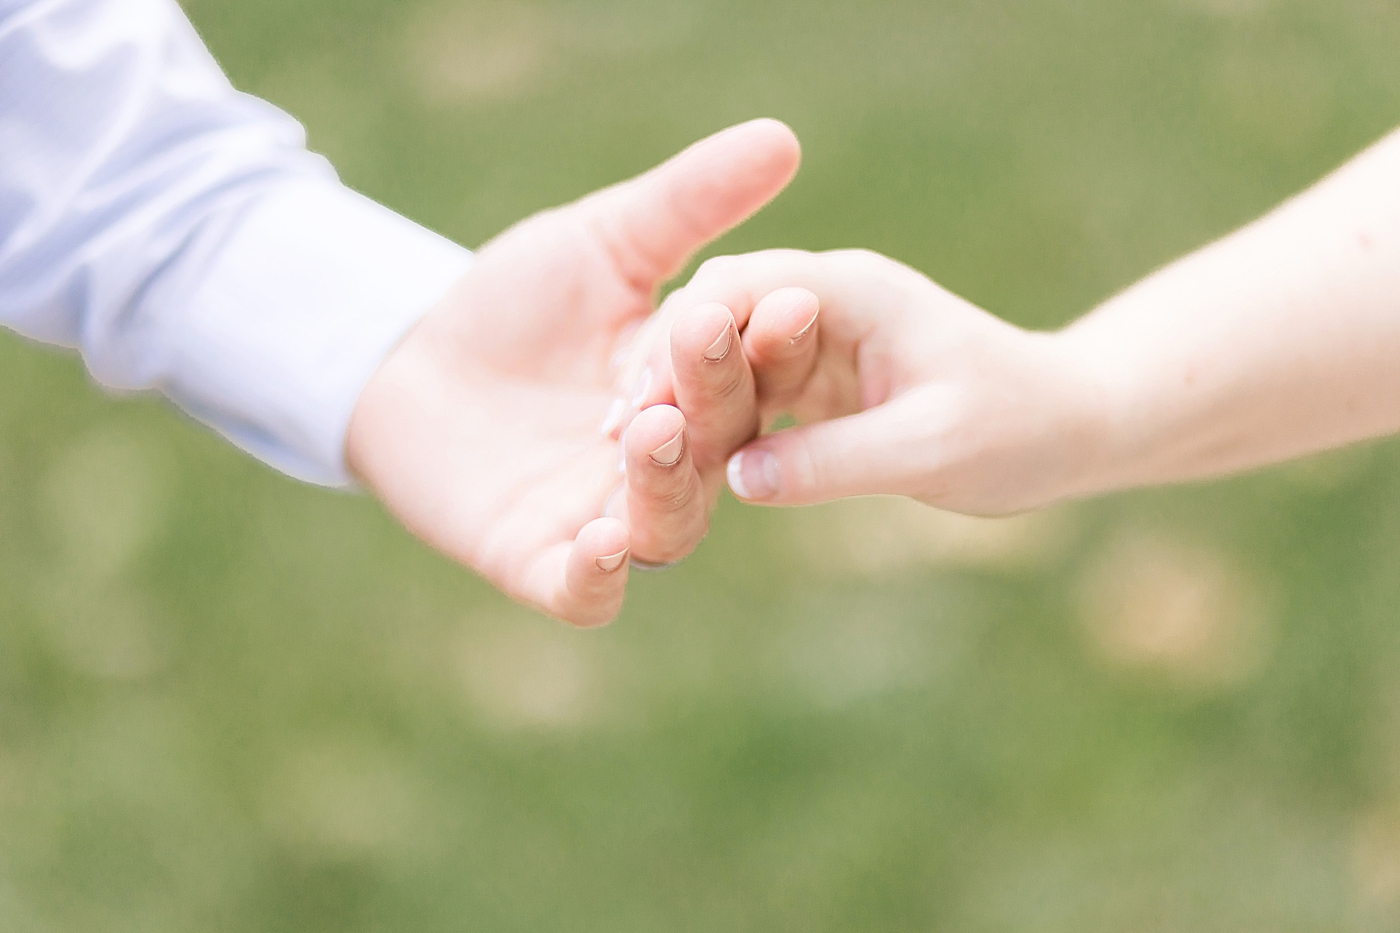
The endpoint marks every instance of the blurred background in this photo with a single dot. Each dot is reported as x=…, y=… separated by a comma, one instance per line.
x=229, y=702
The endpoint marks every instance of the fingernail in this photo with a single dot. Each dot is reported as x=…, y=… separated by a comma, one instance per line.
x=612, y=562
x=669, y=453
x=720, y=348
x=808, y=328
x=619, y=358
x=612, y=507
x=613, y=419
x=643, y=387
x=753, y=474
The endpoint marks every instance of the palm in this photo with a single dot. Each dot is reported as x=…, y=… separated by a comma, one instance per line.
x=540, y=388
x=481, y=430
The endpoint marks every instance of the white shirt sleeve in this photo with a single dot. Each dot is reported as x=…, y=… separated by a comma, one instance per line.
x=179, y=234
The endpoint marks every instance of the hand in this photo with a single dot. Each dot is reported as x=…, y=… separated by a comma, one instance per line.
x=481, y=430
x=1278, y=341
x=905, y=388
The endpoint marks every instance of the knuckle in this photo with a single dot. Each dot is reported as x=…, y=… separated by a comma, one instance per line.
x=715, y=268
x=780, y=389
x=672, y=496
x=727, y=381
x=675, y=547
x=861, y=260
x=781, y=256
x=674, y=500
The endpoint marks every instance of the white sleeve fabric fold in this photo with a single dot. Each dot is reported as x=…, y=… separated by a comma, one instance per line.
x=179, y=234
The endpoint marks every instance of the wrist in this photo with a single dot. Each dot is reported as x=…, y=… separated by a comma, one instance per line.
x=1031, y=429
x=1095, y=396
x=399, y=385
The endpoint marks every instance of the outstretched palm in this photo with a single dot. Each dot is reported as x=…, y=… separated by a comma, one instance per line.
x=481, y=431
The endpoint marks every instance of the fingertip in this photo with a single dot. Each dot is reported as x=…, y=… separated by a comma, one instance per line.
x=754, y=474
x=597, y=573
x=803, y=309
x=666, y=503
x=781, y=345
x=705, y=332
x=772, y=125
x=610, y=563
x=776, y=139
x=654, y=428
x=604, y=538
x=734, y=475
x=781, y=324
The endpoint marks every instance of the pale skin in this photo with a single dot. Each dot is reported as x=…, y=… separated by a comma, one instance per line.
x=480, y=431
x=496, y=429
x=1280, y=340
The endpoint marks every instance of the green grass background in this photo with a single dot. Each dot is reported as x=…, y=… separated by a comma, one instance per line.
x=229, y=702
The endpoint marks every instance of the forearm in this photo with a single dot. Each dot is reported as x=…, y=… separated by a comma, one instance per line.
x=1280, y=340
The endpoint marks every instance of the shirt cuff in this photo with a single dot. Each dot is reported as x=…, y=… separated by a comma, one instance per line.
x=297, y=303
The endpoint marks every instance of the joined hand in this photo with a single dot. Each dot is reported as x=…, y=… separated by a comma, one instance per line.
x=481, y=431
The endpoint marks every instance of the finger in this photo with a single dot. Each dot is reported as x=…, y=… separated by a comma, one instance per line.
x=738, y=283
x=655, y=222
x=666, y=503
x=713, y=383
x=780, y=344
x=855, y=290
x=644, y=377
x=887, y=450
x=585, y=581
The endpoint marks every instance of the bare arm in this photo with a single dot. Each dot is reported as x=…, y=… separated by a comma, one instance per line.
x=1280, y=340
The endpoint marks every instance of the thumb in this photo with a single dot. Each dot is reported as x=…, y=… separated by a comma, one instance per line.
x=655, y=222
x=885, y=450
